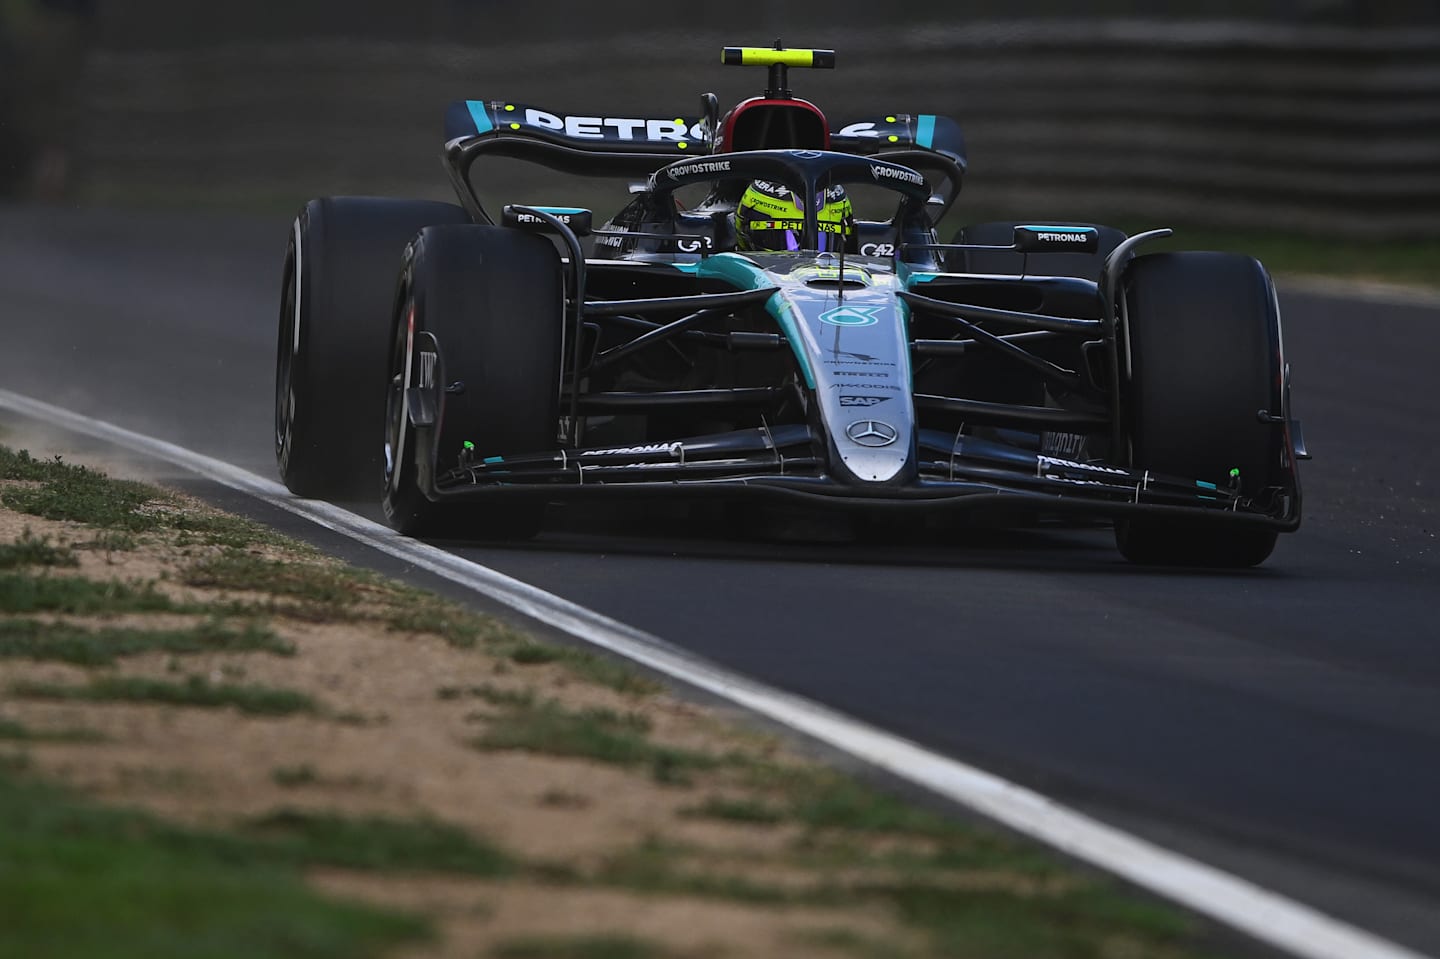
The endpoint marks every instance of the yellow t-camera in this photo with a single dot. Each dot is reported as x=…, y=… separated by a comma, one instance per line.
x=768, y=57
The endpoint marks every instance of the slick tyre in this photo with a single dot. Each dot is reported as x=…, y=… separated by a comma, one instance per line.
x=488, y=302
x=1202, y=335
x=337, y=300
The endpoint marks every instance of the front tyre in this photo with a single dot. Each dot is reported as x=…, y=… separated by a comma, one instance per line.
x=1201, y=333
x=337, y=296
x=476, y=338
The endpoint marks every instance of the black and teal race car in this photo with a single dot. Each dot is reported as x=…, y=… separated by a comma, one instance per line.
x=469, y=366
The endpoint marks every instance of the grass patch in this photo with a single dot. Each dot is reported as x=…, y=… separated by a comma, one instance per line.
x=230, y=532
x=381, y=844
x=824, y=799
x=973, y=852
x=752, y=811
x=1093, y=921
x=602, y=735
x=583, y=664
x=325, y=591
x=835, y=802
x=413, y=611
x=77, y=494
x=496, y=696
x=578, y=947
x=841, y=939
x=31, y=550
x=122, y=507
x=196, y=691
x=69, y=643
x=291, y=776
x=18, y=732
x=109, y=541
x=20, y=465
x=28, y=593
x=656, y=866
x=83, y=880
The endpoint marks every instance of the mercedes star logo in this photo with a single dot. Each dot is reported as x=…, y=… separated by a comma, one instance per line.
x=871, y=433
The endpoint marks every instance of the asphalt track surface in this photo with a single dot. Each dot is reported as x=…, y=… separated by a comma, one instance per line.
x=1283, y=724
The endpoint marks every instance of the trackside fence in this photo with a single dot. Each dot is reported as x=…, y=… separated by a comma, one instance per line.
x=1321, y=130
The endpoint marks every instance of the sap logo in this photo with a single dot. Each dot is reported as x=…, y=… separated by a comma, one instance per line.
x=851, y=400
x=896, y=173
x=620, y=128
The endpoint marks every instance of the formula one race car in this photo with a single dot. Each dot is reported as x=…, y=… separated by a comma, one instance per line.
x=741, y=328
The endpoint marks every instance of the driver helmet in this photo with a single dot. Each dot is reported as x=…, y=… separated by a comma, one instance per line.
x=769, y=218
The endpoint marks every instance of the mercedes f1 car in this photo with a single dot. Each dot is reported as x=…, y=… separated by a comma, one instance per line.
x=528, y=355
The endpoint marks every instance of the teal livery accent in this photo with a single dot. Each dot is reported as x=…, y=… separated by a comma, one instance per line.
x=480, y=115
x=908, y=278
x=741, y=273
x=494, y=459
x=902, y=309
x=690, y=268
x=851, y=316
x=925, y=131
x=562, y=210
x=1056, y=229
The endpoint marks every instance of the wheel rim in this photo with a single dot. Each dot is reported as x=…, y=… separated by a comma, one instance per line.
x=397, y=417
x=285, y=364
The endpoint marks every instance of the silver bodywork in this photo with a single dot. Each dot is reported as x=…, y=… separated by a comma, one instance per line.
x=850, y=334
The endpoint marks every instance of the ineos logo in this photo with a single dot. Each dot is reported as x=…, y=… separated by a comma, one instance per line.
x=871, y=433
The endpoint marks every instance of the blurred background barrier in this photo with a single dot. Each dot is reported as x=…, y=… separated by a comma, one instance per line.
x=1330, y=129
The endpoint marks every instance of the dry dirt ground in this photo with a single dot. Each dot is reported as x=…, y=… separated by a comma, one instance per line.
x=395, y=735
x=631, y=823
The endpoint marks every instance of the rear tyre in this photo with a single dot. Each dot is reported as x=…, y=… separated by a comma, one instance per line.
x=493, y=301
x=1202, y=334
x=337, y=298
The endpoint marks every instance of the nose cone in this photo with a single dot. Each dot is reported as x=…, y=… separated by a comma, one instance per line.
x=872, y=450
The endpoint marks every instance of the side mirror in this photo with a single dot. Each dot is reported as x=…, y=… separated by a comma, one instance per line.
x=1057, y=239
x=529, y=218
x=935, y=208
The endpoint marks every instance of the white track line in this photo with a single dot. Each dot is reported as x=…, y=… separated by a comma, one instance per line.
x=1255, y=911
